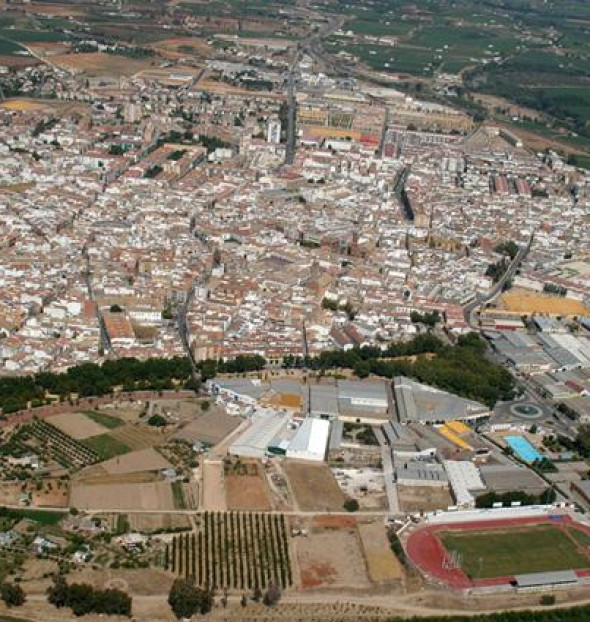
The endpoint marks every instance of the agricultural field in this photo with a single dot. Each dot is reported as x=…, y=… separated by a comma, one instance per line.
x=245, y=486
x=501, y=553
x=136, y=462
x=126, y=496
x=234, y=550
x=59, y=446
x=77, y=425
x=314, y=487
x=106, y=446
x=98, y=64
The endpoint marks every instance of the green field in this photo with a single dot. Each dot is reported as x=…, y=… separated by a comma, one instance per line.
x=106, y=446
x=489, y=554
x=108, y=421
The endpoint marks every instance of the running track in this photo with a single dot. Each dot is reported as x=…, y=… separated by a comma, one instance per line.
x=426, y=551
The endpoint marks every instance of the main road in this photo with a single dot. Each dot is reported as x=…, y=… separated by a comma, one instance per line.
x=483, y=299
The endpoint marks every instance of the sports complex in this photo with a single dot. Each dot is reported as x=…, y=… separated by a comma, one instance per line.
x=501, y=550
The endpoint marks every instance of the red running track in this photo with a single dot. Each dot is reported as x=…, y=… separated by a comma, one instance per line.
x=426, y=551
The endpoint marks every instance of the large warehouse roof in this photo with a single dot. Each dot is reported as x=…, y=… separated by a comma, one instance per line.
x=311, y=440
x=256, y=439
x=425, y=404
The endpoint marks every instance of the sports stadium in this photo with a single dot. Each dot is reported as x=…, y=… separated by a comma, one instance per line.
x=510, y=549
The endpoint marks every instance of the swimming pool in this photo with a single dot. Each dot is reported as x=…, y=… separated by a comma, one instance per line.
x=523, y=449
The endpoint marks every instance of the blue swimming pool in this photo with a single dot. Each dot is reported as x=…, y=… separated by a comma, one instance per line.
x=523, y=449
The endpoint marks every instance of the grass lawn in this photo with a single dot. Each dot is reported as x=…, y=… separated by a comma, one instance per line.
x=106, y=446
x=502, y=553
x=108, y=421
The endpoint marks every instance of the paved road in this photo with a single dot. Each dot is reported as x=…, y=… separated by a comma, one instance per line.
x=483, y=299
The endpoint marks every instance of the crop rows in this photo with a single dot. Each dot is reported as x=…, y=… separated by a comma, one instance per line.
x=234, y=550
x=63, y=448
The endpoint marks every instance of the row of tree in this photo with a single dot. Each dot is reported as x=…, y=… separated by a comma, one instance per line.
x=488, y=499
x=462, y=369
x=83, y=599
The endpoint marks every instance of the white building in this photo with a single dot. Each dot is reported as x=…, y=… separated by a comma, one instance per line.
x=273, y=132
x=311, y=440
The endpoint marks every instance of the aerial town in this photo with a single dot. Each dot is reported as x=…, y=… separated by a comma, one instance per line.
x=289, y=329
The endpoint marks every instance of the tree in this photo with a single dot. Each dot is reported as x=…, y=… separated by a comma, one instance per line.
x=115, y=309
x=12, y=594
x=547, y=600
x=57, y=594
x=157, y=421
x=205, y=406
x=351, y=505
x=272, y=595
x=362, y=369
x=185, y=599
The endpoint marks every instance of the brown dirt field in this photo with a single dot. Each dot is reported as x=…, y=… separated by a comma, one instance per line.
x=314, y=486
x=18, y=62
x=49, y=48
x=62, y=10
x=154, y=496
x=247, y=492
x=213, y=485
x=334, y=522
x=526, y=302
x=423, y=498
x=101, y=64
x=9, y=493
x=136, y=461
x=56, y=497
x=17, y=188
x=331, y=559
x=382, y=564
x=77, y=425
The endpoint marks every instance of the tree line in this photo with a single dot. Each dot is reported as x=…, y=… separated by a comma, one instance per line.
x=462, y=369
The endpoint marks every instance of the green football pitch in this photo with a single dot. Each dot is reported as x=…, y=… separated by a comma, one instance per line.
x=518, y=550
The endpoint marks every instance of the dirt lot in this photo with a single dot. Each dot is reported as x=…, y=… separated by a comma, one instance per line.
x=423, y=498
x=54, y=493
x=314, y=486
x=136, y=461
x=247, y=491
x=150, y=496
x=526, y=302
x=101, y=64
x=213, y=485
x=331, y=558
x=382, y=564
x=210, y=427
x=77, y=425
